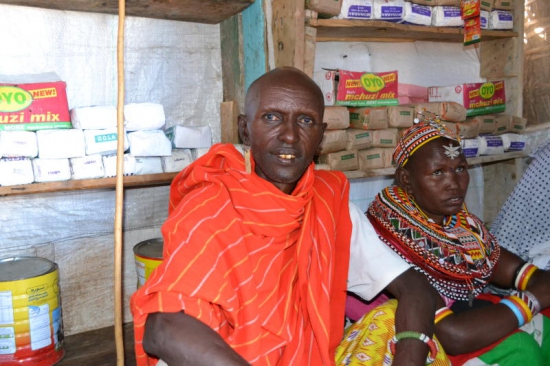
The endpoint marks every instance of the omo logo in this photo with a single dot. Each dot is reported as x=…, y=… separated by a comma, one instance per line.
x=372, y=83
x=13, y=99
x=487, y=90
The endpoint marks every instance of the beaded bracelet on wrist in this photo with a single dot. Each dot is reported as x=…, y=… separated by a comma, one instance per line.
x=421, y=337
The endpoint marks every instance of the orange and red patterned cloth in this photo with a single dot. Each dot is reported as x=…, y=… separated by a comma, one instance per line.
x=264, y=269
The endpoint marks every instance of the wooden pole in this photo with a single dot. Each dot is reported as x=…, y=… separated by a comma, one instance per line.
x=119, y=336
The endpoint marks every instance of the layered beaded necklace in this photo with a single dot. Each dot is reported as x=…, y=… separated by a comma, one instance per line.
x=457, y=257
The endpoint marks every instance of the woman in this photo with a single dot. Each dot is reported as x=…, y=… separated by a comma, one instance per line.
x=423, y=218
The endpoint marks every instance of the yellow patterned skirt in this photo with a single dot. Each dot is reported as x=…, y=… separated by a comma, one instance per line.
x=366, y=342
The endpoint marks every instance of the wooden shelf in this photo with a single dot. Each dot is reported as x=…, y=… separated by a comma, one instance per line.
x=472, y=161
x=199, y=11
x=100, y=183
x=348, y=30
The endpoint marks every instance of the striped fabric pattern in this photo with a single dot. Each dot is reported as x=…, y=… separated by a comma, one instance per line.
x=266, y=270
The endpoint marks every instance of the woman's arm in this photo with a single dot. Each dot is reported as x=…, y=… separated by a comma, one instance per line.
x=416, y=305
x=180, y=339
x=473, y=329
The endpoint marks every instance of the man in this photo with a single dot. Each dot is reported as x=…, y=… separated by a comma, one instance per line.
x=257, y=249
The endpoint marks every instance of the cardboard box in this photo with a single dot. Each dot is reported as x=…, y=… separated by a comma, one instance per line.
x=367, y=89
x=368, y=118
x=325, y=7
x=477, y=98
x=33, y=105
x=326, y=80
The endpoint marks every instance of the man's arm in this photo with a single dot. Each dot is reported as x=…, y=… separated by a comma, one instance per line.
x=180, y=339
x=416, y=306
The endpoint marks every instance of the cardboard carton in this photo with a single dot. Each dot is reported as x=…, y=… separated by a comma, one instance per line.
x=39, y=102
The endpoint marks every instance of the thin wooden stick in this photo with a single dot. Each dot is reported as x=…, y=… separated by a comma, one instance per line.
x=119, y=336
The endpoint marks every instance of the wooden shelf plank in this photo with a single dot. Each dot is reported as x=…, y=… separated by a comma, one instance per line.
x=203, y=11
x=348, y=30
x=101, y=183
x=354, y=174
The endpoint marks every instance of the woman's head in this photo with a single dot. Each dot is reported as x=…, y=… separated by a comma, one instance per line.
x=434, y=172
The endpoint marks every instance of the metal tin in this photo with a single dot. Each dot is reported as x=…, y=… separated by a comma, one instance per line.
x=31, y=325
x=147, y=255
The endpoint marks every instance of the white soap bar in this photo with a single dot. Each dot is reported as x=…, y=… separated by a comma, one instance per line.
x=18, y=143
x=447, y=16
x=356, y=9
x=143, y=116
x=501, y=19
x=490, y=145
x=470, y=147
x=389, y=10
x=179, y=159
x=14, y=171
x=51, y=170
x=513, y=142
x=148, y=165
x=197, y=153
x=417, y=14
x=109, y=164
x=94, y=118
x=87, y=167
x=184, y=137
x=103, y=142
x=484, y=19
x=149, y=143
x=59, y=144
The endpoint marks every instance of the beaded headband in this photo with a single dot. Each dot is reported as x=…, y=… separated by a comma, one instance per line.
x=427, y=127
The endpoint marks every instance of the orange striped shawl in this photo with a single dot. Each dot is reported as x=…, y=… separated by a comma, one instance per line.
x=264, y=269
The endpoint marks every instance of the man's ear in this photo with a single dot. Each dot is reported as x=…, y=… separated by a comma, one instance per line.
x=242, y=124
x=403, y=179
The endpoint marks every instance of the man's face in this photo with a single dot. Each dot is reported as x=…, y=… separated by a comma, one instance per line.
x=437, y=182
x=284, y=128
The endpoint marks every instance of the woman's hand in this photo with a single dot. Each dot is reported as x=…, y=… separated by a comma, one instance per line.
x=539, y=285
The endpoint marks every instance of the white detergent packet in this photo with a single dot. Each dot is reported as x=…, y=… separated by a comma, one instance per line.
x=356, y=9
x=14, y=171
x=501, y=19
x=143, y=116
x=179, y=159
x=389, y=10
x=447, y=16
x=87, y=167
x=189, y=137
x=51, y=170
x=18, y=143
x=148, y=165
x=109, y=164
x=417, y=14
x=149, y=143
x=59, y=144
x=197, y=153
x=103, y=142
x=484, y=19
x=94, y=117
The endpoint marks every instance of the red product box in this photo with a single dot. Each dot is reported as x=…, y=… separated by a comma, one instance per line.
x=367, y=89
x=34, y=106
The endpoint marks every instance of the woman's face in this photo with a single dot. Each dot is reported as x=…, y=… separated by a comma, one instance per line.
x=438, y=182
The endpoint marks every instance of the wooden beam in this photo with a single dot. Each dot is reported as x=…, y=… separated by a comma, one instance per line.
x=204, y=11
x=229, y=114
x=231, y=42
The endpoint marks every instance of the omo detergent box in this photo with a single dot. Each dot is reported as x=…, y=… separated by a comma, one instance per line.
x=477, y=98
x=367, y=89
x=33, y=102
